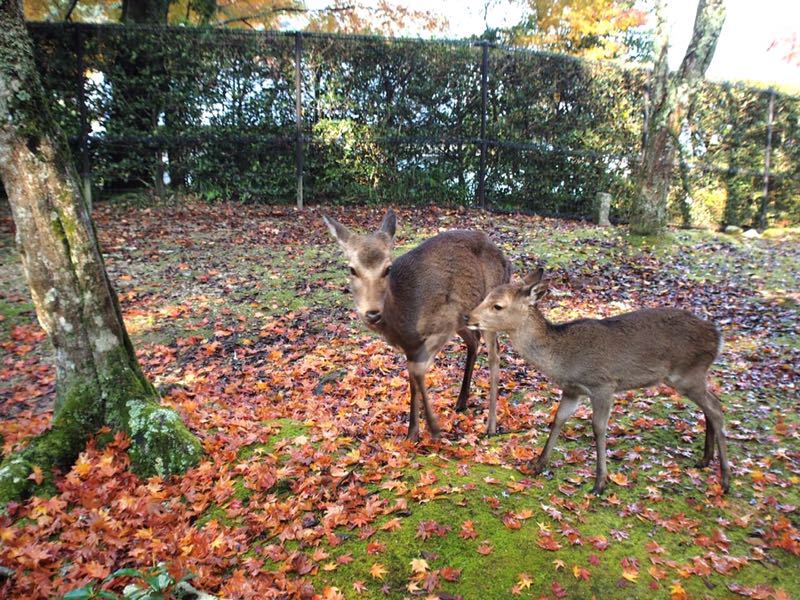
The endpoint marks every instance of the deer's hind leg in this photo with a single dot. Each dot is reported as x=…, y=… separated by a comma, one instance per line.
x=602, y=402
x=694, y=387
x=472, y=339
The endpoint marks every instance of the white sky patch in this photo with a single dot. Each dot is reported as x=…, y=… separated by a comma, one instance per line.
x=742, y=53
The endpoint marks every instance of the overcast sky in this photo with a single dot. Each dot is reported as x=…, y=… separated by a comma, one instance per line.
x=742, y=52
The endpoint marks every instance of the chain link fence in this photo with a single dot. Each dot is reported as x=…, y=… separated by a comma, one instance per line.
x=323, y=118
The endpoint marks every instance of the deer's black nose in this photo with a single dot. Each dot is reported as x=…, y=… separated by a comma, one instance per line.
x=373, y=316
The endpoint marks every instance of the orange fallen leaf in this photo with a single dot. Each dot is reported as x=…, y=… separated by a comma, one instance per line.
x=620, y=479
x=377, y=571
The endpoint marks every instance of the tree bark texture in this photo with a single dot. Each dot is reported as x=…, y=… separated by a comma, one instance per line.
x=670, y=99
x=98, y=378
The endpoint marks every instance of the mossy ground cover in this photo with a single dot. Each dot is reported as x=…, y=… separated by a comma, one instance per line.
x=240, y=316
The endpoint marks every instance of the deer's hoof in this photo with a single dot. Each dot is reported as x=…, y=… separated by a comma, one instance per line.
x=491, y=430
x=461, y=406
x=413, y=436
x=436, y=434
x=702, y=464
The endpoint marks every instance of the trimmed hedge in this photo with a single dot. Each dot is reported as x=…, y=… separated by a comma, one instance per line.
x=213, y=113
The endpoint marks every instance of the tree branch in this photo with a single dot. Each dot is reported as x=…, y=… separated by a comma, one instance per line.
x=286, y=9
x=72, y=6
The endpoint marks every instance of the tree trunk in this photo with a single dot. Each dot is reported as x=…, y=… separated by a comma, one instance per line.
x=98, y=378
x=670, y=99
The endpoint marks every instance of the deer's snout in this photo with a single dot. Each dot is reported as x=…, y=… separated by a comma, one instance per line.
x=373, y=316
x=470, y=322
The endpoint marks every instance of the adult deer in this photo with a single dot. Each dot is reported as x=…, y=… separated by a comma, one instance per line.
x=598, y=357
x=417, y=301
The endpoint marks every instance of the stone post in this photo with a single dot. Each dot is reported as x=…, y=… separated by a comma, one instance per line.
x=602, y=205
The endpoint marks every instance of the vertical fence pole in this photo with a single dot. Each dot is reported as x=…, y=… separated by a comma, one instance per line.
x=83, y=140
x=762, y=213
x=482, y=141
x=298, y=114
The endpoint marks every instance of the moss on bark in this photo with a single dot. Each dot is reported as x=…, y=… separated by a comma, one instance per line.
x=160, y=442
x=56, y=448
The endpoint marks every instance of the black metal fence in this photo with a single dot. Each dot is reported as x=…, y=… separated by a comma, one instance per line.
x=302, y=117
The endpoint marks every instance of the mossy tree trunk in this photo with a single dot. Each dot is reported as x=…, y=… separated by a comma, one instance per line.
x=98, y=378
x=670, y=99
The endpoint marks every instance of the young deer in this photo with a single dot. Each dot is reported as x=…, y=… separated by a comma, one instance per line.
x=598, y=357
x=417, y=301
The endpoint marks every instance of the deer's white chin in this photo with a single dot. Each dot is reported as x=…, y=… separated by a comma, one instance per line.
x=474, y=327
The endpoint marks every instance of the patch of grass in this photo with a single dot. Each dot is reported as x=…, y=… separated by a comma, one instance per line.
x=289, y=429
x=514, y=552
x=12, y=314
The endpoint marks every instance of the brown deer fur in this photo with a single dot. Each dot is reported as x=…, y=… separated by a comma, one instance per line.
x=417, y=301
x=598, y=357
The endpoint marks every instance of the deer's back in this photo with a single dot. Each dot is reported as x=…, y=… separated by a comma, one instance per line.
x=636, y=349
x=435, y=284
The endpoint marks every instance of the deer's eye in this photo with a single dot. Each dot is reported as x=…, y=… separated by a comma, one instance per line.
x=353, y=272
x=497, y=307
x=386, y=271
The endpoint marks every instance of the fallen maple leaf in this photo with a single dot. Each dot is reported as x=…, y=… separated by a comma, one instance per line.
x=375, y=547
x=377, y=571
x=547, y=542
x=419, y=565
x=451, y=574
x=620, y=479
x=630, y=574
x=484, y=548
x=580, y=573
x=468, y=530
x=676, y=592
x=511, y=522
x=524, y=581
x=37, y=475
x=391, y=525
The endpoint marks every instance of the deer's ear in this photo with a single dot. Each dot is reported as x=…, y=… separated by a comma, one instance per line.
x=534, y=286
x=534, y=277
x=538, y=291
x=389, y=224
x=338, y=231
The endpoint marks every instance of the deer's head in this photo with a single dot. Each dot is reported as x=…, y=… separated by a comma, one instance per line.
x=370, y=258
x=505, y=308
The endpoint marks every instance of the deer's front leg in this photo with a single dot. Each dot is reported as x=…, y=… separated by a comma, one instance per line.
x=416, y=372
x=566, y=408
x=494, y=375
x=413, y=415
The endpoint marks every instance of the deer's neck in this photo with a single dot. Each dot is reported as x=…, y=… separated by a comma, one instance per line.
x=536, y=341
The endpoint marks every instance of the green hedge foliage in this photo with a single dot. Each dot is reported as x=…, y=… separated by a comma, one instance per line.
x=213, y=113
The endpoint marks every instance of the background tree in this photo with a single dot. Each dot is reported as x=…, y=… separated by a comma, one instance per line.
x=594, y=29
x=670, y=98
x=98, y=378
x=342, y=16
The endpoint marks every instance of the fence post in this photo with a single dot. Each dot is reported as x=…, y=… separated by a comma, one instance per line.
x=484, y=98
x=762, y=213
x=83, y=140
x=298, y=114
